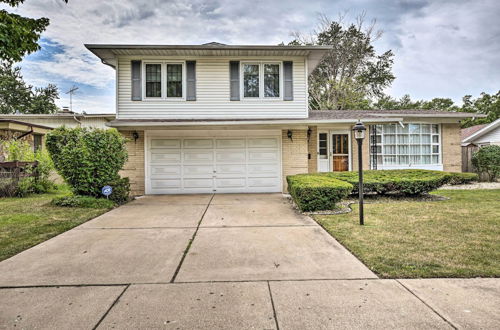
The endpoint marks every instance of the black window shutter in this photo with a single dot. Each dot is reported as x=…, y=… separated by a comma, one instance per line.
x=234, y=77
x=288, y=81
x=190, y=80
x=136, y=81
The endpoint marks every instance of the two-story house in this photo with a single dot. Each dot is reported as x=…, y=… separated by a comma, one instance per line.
x=224, y=119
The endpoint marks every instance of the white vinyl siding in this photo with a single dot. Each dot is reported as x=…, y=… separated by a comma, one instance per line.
x=212, y=93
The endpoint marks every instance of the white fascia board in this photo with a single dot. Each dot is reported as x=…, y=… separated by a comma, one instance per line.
x=482, y=131
x=251, y=122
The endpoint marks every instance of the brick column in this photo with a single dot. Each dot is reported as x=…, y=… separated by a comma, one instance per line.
x=313, y=150
x=294, y=154
x=451, y=149
x=134, y=168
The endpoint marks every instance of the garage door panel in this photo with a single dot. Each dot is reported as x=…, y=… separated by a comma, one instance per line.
x=263, y=182
x=198, y=183
x=231, y=169
x=230, y=156
x=263, y=142
x=190, y=170
x=198, y=156
x=165, y=172
x=166, y=184
x=230, y=183
x=262, y=169
x=167, y=157
x=198, y=143
x=229, y=143
x=262, y=156
x=165, y=143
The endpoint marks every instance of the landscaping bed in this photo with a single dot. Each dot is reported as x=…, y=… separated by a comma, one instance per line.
x=456, y=237
x=321, y=191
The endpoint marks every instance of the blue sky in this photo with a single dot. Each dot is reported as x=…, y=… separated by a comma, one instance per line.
x=443, y=48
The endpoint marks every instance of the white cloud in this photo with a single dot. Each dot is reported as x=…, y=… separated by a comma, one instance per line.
x=443, y=48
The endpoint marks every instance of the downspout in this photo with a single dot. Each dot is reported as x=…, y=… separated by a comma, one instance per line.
x=25, y=134
x=79, y=122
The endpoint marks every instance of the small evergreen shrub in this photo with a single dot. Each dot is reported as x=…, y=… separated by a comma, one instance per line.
x=487, y=161
x=461, y=178
x=83, y=201
x=89, y=159
x=314, y=193
x=402, y=182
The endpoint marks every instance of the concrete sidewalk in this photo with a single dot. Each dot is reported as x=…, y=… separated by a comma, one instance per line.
x=221, y=261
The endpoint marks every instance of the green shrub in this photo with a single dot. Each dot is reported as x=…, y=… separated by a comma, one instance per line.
x=314, y=192
x=89, y=159
x=403, y=182
x=487, y=161
x=461, y=178
x=83, y=201
x=18, y=150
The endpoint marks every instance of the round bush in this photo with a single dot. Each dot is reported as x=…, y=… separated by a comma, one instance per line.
x=89, y=159
x=487, y=161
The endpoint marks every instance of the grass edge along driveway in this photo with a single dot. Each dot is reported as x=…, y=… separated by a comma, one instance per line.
x=28, y=221
x=458, y=237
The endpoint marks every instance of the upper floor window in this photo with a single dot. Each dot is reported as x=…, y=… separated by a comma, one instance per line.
x=153, y=80
x=174, y=80
x=164, y=80
x=261, y=80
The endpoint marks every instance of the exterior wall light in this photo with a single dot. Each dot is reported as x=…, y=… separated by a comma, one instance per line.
x=135, y=135
x=359, y=134
x=290, y=135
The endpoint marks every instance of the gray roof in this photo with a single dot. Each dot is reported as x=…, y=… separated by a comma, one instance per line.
x=353, y=114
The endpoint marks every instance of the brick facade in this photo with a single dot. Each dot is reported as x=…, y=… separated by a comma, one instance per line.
x=294, y=154
x=134, y=168
x=451, y=149
x=313, y=150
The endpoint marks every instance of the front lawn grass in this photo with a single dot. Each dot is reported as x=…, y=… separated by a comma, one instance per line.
x=27, y=221
x=459, y=237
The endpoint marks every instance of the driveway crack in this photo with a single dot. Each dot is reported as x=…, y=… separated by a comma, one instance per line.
x=191, y=241
x=111, y=307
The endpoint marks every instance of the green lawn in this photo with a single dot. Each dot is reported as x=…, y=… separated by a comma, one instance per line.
x=27, y=221
x=459, y=237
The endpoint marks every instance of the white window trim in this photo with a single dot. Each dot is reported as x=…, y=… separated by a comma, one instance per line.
x=432, y=166
x=164, y=96
x=261, y=81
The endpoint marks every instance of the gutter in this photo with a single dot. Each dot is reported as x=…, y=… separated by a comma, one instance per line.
x=249, y=122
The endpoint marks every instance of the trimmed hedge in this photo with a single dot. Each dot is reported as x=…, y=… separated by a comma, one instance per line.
x=313, y=192
x=402, y=182
x=462, y=178
x=320, y=191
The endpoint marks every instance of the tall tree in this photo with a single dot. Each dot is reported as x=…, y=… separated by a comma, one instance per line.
x=17, y=96
x=486, y=104
x=352, y=73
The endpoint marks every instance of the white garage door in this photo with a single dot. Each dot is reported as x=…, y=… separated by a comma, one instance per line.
x=214, y=165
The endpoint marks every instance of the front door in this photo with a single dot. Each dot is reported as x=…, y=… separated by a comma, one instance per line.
x=340, y=152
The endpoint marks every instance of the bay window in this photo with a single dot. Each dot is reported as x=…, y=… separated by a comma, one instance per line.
x=410, y=145
x=261, y=80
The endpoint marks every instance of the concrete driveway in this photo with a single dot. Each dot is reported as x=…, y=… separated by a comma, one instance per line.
x=218, y=261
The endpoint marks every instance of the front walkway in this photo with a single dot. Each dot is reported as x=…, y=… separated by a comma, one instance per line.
x=221, y=261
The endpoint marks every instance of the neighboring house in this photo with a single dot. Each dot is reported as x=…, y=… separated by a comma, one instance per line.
x=482, y=135
x=64, y=118
x=11, y=129
x=215, y=118
x=475, y=137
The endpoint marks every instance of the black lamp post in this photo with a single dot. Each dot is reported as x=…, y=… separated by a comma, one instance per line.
x=359, y=134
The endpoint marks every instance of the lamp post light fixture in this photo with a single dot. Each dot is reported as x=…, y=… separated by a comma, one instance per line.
x=359, y=134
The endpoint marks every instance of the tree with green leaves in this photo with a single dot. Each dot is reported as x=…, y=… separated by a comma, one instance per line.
x=486, y=104
x=352, y=73
x=17, y=96
x=19, y=35
x=387, y=102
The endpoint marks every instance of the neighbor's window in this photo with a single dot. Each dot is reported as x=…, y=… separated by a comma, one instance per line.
x=174, y=80
x=153, y=80
x=251, y=80
x=413, y=144
x=271, y=80
x=37, y=142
